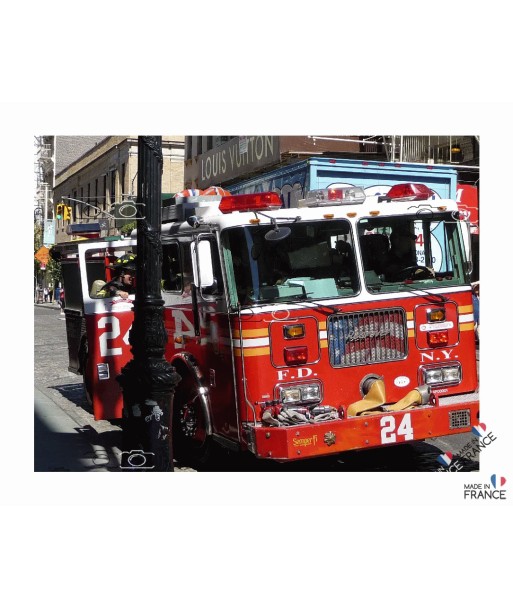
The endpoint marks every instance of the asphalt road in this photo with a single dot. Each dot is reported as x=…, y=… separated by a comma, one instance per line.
x=67, y=438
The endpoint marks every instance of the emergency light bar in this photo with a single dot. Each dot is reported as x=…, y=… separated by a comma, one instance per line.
x=259, y=200
x=408, y=192
x=334, y=196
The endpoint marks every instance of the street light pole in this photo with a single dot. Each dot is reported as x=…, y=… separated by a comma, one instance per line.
x=148, y=380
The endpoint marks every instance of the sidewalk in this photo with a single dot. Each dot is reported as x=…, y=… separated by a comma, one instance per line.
x=60, y=444
x=51, y=305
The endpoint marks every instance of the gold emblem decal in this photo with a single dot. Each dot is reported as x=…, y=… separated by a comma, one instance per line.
x=329, y=438
x=305, y=441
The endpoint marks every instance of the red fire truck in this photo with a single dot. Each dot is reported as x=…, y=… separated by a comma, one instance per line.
x=297, y=332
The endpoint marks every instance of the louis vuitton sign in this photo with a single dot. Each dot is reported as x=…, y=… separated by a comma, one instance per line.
x=237, y=158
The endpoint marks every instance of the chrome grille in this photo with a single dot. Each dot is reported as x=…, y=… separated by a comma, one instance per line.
x=367, y=337
x=459, y=419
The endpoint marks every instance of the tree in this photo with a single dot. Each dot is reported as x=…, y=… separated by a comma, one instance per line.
x=53, y=268
x=128, y=228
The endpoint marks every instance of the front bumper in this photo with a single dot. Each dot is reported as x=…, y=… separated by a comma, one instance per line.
x=368, y=431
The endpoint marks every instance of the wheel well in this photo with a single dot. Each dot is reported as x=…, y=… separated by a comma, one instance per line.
x=181, y=367
x=186, y=365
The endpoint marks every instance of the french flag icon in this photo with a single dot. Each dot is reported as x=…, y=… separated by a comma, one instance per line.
x=479, y=430
x=445, y=459
x=497, y=480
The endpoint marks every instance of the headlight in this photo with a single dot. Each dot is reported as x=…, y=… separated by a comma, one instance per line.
x=451, y=374
x=432, y=376
x=291, y=394
x=445, y=375
x=311, y=393
x=298, y=394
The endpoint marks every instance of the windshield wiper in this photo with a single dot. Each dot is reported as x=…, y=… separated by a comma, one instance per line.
x=374, y=287
x=292, y=298
x=315, y=305
x=439, y=297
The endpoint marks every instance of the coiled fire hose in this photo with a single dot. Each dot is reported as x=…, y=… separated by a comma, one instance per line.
x=290, y=416
x=375, y=400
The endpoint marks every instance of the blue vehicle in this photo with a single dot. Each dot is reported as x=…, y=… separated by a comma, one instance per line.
x=293, y=181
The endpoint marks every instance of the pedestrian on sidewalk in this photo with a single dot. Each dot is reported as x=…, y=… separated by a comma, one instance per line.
x=62, y=302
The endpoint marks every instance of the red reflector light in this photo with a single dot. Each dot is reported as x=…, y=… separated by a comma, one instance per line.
x=438, y=339
x=410, y=192
x=295, y=356
x=259, y=200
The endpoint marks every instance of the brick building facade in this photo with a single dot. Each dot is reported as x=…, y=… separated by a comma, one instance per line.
x=102, y=171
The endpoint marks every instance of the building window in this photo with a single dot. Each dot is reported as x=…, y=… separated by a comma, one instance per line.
x=113, y=186
x=188, y=147
x=104, y=196
x=219, y=140
x=123, y=179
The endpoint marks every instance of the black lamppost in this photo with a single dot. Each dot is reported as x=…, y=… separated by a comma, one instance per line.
x=148, y=380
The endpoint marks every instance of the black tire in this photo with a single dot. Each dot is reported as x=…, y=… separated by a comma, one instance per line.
x=191, y=444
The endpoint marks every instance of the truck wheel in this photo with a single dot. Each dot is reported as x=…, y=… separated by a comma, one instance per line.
x=190, y=440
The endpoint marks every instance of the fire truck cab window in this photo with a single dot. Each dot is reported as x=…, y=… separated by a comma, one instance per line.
x=171, y=268
x=103, y=271
x=398, y=252
x=316, y=260
x=186, y=276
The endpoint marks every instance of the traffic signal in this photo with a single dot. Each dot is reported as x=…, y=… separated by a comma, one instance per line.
x=63, y=212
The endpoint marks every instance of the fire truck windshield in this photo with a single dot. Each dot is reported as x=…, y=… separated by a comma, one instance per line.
x=316, y=260
x=403, y=252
